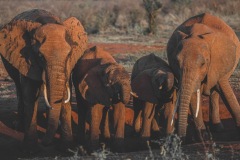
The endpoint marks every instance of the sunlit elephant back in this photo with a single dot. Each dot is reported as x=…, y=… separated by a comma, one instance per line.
x=101, y=82
x=203, y=53
x=152, y=83
x=44, y=49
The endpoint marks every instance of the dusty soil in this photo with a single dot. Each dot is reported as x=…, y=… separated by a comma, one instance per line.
x=10, y=139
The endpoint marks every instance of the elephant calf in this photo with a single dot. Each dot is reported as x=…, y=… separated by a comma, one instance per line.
x=100, y=82
x=152, y=84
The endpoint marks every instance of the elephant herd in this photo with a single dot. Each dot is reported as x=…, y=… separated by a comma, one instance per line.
x=42, y=53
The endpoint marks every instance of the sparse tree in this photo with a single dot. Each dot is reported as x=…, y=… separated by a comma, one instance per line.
x=152, y=7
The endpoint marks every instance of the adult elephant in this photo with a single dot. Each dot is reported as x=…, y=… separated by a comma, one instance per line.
x=100, y=82
x=152, y=83
x=39, y=50
x=203, y=53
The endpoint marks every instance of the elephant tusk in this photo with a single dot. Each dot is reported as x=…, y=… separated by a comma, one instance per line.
x=160, y=87
x=175, y=108
x=198, y=102
x=45, y=96
x=134, y=94
x=69, y=95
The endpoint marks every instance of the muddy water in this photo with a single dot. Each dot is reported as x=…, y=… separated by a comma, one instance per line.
x=211, y=151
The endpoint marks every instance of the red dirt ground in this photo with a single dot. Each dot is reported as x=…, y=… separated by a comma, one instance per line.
x=127, y=48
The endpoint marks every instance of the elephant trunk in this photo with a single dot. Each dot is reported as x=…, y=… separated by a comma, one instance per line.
x=56, y=94
x=125, y=92
x=186, y=90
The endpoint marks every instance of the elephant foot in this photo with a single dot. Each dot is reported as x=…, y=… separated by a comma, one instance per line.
x=66, y=147
x=238, y=131
x=118, y=145
x=183, y=140
x=82, y=151
x=30, y=149
x=93, y=146
x=18, y=126
x=144, y=143
x=203, y=135
x=156, y=134
x=46, y=142
x=217, y=128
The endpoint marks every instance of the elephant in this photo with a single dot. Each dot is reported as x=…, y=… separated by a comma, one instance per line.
x=203, y=53
x=152, y=84
x=39, y=51
x=100, y=82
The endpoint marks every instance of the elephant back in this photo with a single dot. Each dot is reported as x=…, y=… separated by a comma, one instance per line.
x=207, y=19
x=148, y=62
x=38, y=15
x=214, y=23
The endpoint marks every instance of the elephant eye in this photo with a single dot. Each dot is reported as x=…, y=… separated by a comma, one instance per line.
x=202, y=64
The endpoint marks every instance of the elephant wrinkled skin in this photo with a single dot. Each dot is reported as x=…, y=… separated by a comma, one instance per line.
x=39, y=50
x=100, y=83
x=203, y=53
x=152, y=83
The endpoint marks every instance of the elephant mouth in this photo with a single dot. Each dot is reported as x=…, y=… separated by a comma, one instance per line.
x=58, y=101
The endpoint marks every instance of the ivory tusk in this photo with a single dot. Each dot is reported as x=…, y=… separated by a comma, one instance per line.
x=69, y=95
x=160, y=87
x=175, y=108
x=198, y=102
x=45, y=96
x=134, y=94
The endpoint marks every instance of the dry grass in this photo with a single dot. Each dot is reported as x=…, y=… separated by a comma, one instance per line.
x=125, y=17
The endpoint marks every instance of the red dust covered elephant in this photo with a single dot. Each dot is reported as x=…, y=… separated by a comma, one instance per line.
x=37, y=50
x=152, y=83
x=100, y=82
x=203, y=53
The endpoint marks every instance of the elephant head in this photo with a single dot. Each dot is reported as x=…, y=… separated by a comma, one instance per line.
x=45, y=52
x=153, y=85
x=105, y=84
x=201, y=56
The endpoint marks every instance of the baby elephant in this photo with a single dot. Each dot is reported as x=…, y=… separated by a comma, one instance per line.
x=100, y=82
x=152, y=84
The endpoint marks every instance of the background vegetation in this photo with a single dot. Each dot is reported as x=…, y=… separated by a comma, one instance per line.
x=126, y=16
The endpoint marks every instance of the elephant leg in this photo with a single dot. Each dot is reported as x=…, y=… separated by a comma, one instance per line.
x=138, y=105
x=96, y=118
x=155, y=130
x=20, y=124
x=106, y=124
x=214, y=115
x=83, y=107
x=148, y=114
x=15, y=75
x=168, y=113
x=119, y=120
x=119, y=126
x=230, y=100
x=154, y=124
x=30, y=93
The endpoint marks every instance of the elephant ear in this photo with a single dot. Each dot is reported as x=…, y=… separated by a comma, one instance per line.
x=16, y=48
x=142, y=87
x=92, y=88
x=222, y=59
x=77, y=37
